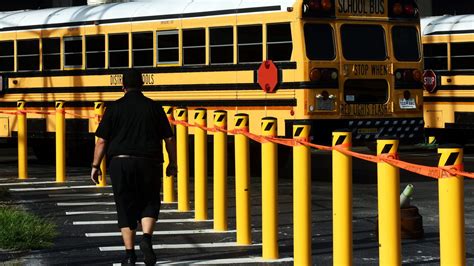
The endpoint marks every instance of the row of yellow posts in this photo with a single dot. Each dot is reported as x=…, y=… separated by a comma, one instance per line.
x=451, y=195
x=60, y=141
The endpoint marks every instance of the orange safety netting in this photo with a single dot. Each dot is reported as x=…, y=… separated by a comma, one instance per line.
x=45, y=113
x=434, y=172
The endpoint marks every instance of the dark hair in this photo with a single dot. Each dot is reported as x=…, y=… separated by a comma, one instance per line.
x=132, y=79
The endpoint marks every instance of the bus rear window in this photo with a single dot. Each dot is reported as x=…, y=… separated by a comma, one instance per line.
x=405, y=43
x=319, y=40
x=363, y=42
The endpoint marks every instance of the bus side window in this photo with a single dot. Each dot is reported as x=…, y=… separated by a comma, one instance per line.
x=194, y=47
x=95, y=51
x=7, y=60
x=28, y=55
x=51, y=53
x=462, y=56
x=222, y=45
x=249, y=44
x=118, y=50
x=73, y=52
x=142, y=49
x=436, y=56
x=167, y=47
x=279, y=45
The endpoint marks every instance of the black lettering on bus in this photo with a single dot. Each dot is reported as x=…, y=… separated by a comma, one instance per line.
x=116, y=80
x=148, y=79
x=361, y=69
x=379, y=70
x=361, y=6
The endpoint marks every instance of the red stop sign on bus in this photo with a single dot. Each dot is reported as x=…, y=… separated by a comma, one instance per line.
x=429, y=80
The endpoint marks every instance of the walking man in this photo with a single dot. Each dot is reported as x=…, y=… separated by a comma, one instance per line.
x=131, y=133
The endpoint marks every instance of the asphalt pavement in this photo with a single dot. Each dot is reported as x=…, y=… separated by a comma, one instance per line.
x=85, y=216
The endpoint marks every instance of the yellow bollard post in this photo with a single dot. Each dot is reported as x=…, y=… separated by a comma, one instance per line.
x=200, y=166
x=220, y=172
x=99, y=112
x=269, y=191
x=388, y=188
x=451, y=209
x=302, y=196
x=60, y=142
x=242, y=181
x=22, y=141
x=169, y=194
x=342, y=199
x=182, y=143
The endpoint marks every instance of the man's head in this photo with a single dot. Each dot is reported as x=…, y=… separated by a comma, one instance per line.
x=132, y=80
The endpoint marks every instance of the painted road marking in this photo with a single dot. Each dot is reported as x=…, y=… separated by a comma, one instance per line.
x=85, y=203
x=159, y=221
x=80, y=195
x=20, y=183
x=92, y=203
x=182, y=246
x=54, y=188
x=114, y=212
x=175, y=232
x=218, y=261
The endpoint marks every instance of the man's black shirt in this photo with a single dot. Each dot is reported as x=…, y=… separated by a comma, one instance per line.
x=134, y=125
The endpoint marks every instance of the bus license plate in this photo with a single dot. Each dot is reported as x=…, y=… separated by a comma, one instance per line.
x=407, y=103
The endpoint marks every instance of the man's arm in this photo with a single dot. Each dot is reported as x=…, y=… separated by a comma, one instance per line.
x=99, y=152
x=170, y=143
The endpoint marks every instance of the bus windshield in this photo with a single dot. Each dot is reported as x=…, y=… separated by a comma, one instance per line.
x=405, y=43
x=363, y=42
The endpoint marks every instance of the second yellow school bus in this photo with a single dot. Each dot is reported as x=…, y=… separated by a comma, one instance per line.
x=337, y=64
x=448, y=46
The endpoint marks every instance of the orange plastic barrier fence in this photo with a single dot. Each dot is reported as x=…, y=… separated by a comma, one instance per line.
x=429, y=171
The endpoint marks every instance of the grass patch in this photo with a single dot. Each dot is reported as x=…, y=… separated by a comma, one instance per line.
x=20, y=230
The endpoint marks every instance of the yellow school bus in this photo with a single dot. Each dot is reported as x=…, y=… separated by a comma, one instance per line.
x=337, y=64
x=448, y=48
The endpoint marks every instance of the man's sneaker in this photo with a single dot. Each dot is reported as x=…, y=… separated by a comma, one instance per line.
x=149, y=255
x=129, y=260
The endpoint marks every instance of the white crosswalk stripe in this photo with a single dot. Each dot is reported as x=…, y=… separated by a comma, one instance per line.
x=177, y=221
x=24, y=183
x=218, y=261
x=161, y=233
x=113, y=212
x=54, y=188
x=180, y=246
x=79, y=195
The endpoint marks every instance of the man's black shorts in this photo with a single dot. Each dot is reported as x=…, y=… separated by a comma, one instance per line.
x=136, y=183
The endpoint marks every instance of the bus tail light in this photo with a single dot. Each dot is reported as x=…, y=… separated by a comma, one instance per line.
x=326, y=5
x=323, y=74
x=403, y=8
x=408, y=75
x=397, y=9
x=417, y=75
x=319, y=8
x=409, y=9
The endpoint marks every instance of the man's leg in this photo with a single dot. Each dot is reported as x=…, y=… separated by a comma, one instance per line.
x=128, y=237
x=146, y=246
x=148, y=224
